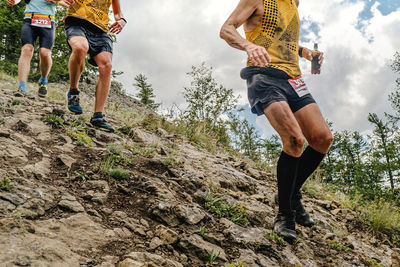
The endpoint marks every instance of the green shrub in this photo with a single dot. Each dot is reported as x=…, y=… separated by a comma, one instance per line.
x=5, y=184
x=55, y=121
x=221, y=208
x=120, y=174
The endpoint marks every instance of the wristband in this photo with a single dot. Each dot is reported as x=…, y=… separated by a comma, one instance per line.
x=123, y=20
x=300, y=51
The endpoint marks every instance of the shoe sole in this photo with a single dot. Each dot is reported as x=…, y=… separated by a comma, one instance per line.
x=42, y=95
x=66, y=106
x=103, y=129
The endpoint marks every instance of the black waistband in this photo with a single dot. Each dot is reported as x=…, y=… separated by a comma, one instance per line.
x=248, y=72
x=74, y=21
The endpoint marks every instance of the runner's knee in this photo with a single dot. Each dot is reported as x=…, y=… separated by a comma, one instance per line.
x=27, y=50
x=45, y=53
x=323, y=140
x=81, y=49
x=294, y=145
x=105, y=67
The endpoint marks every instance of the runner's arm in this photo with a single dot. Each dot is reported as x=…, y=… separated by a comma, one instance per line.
x=120, y=21
x=307, y=54
x=10, y=2
x=229, y=33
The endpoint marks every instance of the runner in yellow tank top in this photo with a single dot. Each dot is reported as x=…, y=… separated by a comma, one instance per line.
x=95, y=12
x=87, y=31
x=276, y=90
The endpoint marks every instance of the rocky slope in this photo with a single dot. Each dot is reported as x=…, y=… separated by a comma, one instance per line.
x=175, y=207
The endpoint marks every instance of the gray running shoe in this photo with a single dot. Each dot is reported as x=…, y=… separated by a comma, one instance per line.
x=20, y=92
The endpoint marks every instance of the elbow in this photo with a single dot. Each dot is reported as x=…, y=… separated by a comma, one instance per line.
x=222, y=33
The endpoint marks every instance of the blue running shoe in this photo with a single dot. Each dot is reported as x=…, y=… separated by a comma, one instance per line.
x=102, y=124
x=73, y=103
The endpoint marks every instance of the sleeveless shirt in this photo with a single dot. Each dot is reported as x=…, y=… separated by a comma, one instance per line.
x=279, y=32
x=94, y=11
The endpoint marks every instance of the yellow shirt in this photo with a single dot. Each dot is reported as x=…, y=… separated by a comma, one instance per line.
x=94, y=11
x=279, y=32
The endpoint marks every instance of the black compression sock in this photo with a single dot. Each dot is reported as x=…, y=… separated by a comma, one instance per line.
x=286, y=172
x=308, y=163
x=73, y=91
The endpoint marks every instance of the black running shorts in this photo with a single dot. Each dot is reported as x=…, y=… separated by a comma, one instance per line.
x=267, y=85
x=29, y=35
x=99, y=41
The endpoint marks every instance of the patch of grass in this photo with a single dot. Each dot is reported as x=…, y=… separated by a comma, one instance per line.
x=115, y=149
x=221, y=208
x=120, y=174
x=382, y=217
x=55, y=121
x=203, y=231
x=213, y=257
x=79, y=132
x=272, y=236
x=81, y=138
x=144, y=151
x=170, y=161
x=83, y=176
x=336, y=245
x=108, y=163
x=239, y=264
x=5, y=184
x=372, y=263
x=251, y=245
x=16, y=102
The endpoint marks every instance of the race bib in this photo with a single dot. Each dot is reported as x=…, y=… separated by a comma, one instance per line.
x=44, y=22
x=299, y=86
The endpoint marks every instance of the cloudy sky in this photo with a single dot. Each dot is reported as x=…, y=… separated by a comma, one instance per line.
x=163, y=39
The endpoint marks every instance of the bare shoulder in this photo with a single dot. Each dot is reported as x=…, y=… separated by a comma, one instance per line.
x=254, y=20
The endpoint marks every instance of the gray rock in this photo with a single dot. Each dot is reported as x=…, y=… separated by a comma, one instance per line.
x=196, y=246
x=70, y=203
x=167, y=235
x=191, y=214
x=145, y=257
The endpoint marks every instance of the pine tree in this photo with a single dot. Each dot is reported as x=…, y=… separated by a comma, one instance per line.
x=146, y=92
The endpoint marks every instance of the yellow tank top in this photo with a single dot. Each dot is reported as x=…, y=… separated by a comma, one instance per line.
x=279, y=32
x=95, y=11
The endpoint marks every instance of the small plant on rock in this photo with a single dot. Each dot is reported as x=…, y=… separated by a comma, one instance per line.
x=120, y=174
x=213, y=257
x=221, y=208
x=272, y=236
x=115, y=149
x=5, y=184
x=16, y=102
x=203, y=231
x=339, y=247
x=55, y=121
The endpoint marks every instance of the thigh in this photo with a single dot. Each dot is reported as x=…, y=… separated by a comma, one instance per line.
x=47, y=37
x=284, y=122
x=28, y=34
x=311, y=122
x=103, y=58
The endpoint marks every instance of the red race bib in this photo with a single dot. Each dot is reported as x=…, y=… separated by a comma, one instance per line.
x=39, y=21
x=299, y=86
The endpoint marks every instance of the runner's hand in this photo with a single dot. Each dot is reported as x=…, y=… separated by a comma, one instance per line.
x=307, y=54
x=258, y=55
x=117, y=26
x=10, y=2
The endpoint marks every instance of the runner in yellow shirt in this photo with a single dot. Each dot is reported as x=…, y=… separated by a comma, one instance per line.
x=87, y=31
x=276, y=89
